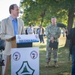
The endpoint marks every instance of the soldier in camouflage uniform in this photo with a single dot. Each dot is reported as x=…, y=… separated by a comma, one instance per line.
x=53, y=33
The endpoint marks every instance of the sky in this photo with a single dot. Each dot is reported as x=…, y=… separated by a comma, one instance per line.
x=4, y=7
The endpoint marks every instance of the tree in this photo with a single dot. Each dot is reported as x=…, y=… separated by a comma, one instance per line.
x=40, y=11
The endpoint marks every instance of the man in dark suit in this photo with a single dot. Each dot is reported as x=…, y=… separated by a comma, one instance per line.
x=40, y=32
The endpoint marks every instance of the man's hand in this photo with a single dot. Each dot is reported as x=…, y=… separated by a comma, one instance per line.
x=66, y=31
x=8, y=40
x=52, y=39
x=11, y=39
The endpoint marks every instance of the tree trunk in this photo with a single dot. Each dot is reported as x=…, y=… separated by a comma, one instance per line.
x=70, y=24
x=42, y=16
x=42, y=20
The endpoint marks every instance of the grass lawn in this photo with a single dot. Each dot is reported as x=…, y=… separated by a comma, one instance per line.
x=64, y=65
x=63, y=62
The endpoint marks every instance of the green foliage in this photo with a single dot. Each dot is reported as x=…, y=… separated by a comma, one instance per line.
x=40, y=11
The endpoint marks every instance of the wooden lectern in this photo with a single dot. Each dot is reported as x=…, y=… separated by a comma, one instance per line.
x=13, y=42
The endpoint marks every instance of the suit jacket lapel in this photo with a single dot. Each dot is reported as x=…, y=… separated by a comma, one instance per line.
x=10, y=25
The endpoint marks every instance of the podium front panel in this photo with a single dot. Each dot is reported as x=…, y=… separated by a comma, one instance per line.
x=22, y=45
x=25, y=61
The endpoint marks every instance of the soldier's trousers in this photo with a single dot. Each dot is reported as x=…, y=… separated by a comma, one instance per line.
x=50, y=51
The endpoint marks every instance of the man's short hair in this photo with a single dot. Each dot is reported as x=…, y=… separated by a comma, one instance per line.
x=53, y=17
x=11, y=7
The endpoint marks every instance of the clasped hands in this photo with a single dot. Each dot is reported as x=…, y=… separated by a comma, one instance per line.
x=52, y=39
